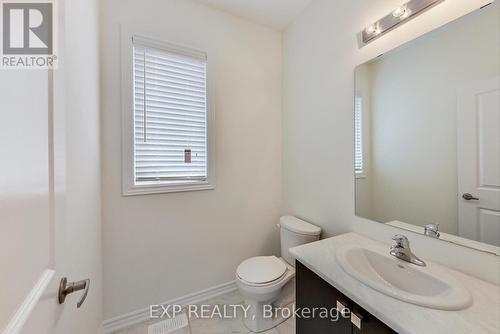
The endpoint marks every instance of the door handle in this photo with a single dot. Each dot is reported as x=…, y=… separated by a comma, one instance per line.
x=66, y=288
x=469, y=197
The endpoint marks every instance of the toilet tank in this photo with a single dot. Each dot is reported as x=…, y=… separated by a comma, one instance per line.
x=295, y=232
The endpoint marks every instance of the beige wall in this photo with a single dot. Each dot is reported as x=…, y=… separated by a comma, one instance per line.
x=158, y=247
x=321, y=52
x=413, y=106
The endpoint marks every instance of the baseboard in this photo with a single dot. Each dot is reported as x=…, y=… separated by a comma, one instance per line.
x=136, y=317
x=15, y=325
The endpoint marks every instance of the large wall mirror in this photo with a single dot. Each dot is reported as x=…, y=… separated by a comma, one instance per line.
x=427, y=133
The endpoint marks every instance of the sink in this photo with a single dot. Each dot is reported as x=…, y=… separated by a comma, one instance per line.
x=431, y=286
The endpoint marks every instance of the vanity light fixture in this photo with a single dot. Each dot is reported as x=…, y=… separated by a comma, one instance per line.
x=398, y=16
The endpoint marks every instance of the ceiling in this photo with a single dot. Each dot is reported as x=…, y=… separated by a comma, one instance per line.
x=276, y=14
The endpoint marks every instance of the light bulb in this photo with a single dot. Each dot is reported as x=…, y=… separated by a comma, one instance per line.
x=401, y=12
x=373, y=29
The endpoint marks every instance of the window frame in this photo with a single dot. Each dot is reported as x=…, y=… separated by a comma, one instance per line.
x=129, y=186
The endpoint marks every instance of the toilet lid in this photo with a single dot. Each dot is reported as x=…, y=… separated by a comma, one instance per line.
x=261, y=269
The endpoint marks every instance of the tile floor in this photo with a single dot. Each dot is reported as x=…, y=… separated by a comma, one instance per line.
x=227, y=326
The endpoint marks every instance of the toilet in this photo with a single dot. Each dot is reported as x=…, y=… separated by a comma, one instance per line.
x=260, y=279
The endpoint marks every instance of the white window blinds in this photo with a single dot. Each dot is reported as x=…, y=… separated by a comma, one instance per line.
x=170, y=115
x=358, y=135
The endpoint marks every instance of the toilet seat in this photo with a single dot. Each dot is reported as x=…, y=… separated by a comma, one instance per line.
x=261, y=270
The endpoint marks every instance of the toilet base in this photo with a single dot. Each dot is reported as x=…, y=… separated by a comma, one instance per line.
x=262, y=316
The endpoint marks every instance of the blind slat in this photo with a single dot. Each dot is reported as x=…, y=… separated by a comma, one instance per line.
x=164, y=94
x=139, y=77
x=164, y=134
x=161, y=74
x=161, y=89
x=165, y=66
x=160, y=54
x=162, y=109
x=167, y=102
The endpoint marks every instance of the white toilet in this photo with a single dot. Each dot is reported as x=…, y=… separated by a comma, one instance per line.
x=261, y=279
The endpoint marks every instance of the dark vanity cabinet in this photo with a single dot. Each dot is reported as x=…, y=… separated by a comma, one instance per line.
x=313, y=293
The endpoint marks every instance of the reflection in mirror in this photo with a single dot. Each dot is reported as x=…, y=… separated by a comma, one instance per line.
x=427, y=133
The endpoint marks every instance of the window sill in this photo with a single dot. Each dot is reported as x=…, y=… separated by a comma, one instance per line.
x=361, y=176
x=163, y=188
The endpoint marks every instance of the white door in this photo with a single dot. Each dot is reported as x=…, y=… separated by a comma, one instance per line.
x=35, y=234
x=29, y=209
x=26, y=230
x=479, y=161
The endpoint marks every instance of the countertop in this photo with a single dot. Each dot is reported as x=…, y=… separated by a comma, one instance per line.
x=483, y=316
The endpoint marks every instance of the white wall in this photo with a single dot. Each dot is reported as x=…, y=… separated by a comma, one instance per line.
x=321, y=51
x=414, y=119
x=158, y=247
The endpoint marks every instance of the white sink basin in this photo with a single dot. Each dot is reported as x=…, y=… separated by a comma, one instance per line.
x=430, y=286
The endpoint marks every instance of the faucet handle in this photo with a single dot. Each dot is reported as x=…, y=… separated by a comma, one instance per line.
x=432, y=230
x=401, y=241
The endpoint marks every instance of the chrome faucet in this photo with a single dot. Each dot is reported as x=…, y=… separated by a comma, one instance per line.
x=432, y=230
x=402, y=251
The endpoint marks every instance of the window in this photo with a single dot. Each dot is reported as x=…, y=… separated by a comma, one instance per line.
x=358, y=136
x=169, y=125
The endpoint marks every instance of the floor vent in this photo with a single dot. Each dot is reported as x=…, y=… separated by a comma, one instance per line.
x=169, y=325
